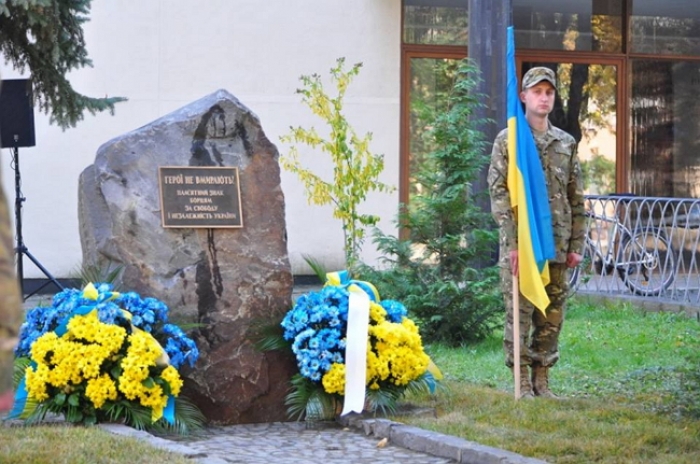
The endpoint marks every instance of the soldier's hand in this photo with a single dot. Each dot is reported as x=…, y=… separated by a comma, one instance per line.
x=514, y=262
x=573, y=260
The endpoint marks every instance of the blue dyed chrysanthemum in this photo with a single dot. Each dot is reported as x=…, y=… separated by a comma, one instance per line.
x=180, y=348
x=316, y=326
x=43, y=319
x=148, y=314
x=395, y=311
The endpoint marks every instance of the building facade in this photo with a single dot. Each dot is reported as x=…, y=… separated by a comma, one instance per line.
x=628, y=69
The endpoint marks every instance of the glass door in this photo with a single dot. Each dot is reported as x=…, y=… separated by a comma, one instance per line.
x=587, y=108
x=428, y=79
x=431, y=81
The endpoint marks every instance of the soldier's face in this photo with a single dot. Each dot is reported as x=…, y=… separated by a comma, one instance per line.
x=539, y=99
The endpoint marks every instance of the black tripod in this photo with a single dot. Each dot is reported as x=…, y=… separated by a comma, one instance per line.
x=21, y=248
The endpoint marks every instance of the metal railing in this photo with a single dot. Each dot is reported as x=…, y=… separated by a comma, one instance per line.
x=641, y=246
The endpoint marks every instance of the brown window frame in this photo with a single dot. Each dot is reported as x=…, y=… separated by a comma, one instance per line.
x=622, y=155
x=408, y=52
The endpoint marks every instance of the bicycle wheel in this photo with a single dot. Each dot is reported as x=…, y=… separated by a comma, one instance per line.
x=646, y=262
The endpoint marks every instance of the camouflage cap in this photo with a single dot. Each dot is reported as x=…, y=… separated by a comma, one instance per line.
x=537, y=75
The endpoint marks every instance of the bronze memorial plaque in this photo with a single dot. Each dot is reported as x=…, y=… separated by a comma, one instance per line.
x=200, y=197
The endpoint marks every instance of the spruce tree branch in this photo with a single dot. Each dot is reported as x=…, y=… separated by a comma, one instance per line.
x=46, y=37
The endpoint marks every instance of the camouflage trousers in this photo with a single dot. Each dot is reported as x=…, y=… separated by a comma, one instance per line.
x=539, y=333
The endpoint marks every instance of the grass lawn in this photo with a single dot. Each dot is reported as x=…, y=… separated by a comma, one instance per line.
x=59, y=444
x=618, y=376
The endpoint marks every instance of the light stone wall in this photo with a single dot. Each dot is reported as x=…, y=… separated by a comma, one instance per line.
x=164, y=54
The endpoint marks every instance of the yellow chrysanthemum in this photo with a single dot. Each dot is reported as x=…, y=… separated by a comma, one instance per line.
x=131, y=382
x=171, y=376
x=410, y=326
x=92, y=358
x=334, y=380
x=42, y=346
x=89, y=328
x=154, y=398
x=144, y=346
x=128, y=387
x=376, y=312
x=76, y=356
x=142, y=354
x=101, y=389
x=395, y=354
x=35, y=382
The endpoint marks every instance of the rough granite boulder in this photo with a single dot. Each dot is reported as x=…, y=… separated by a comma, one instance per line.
x=223, y=279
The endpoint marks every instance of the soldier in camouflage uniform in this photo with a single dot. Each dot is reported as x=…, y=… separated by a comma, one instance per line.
x=10, y=305
x=539, y=333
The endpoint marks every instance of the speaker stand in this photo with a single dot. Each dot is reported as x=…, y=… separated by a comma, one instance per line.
x=21, y=249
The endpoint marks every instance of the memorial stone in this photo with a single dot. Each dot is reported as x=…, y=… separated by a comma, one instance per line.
x=222, y=279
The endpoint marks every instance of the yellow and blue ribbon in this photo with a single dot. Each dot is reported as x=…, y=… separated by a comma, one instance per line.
x=342, y=279
x=22, y=408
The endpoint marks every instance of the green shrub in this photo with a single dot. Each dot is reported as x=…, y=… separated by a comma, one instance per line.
x=437, y=270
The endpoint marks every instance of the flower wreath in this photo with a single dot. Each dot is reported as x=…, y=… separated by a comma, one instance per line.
x=97, y=355
x=318, y=328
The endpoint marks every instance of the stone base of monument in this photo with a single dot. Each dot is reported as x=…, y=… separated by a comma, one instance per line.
x=218, y=261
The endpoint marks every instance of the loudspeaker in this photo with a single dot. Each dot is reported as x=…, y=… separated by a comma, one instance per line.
x=16, y=114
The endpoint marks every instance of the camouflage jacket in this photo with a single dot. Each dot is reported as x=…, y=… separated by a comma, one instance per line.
x=11, y=313
x=562, y=172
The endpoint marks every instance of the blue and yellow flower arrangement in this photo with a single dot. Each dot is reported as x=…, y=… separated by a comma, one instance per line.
x=96, y=355
x=316, y=330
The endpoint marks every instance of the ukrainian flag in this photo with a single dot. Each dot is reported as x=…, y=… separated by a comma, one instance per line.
x=528, y=195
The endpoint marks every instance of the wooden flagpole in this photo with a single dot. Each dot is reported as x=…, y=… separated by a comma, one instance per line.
x=516, y=335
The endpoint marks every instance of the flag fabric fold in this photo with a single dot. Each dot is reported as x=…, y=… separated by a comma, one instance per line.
x=528, y=195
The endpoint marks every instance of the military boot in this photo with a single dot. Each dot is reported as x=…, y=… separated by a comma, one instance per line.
x=540, y=382
x=525, y=384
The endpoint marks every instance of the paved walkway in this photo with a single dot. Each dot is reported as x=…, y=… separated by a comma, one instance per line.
x=289, y=442
x=355, y=440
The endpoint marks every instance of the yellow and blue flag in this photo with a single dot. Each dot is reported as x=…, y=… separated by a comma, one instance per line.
x=528, y=195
